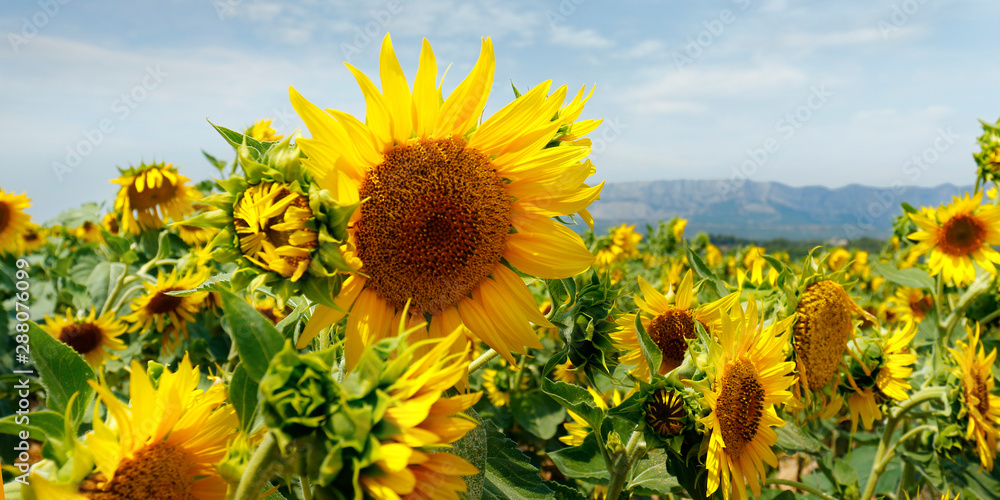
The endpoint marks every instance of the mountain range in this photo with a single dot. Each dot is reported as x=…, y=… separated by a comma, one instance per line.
x=764, y=210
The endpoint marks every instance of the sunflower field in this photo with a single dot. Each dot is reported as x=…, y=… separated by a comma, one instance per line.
x=412, y=304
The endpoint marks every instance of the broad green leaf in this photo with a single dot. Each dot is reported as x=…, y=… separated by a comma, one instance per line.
x=703, y=271
x=582, y=462
x=217, y=283
x=63, y=373
x=537, y=413
x=793, y=438
x=44, y=426
x=472, y=447
x=575, y=399
x=103, y=280
x=651, y=476
x=649, y=348
x=243, y=396
x=256, y=339
x=912, y=277
x=509, y=473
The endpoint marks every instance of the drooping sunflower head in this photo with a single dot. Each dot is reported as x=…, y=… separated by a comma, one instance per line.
x=90, y=336
x=980, y=406
x=957, y=234
x=823, y=327
x=166, y=442
x=152, y=194
x=169, y=314
x=669, y=324
x=14, y=222
x=748, y=375
x=878, y=371
x=448, y=203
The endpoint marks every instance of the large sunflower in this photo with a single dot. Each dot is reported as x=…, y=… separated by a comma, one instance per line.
x=980, y=406
x=822, y=330
x=150, y=195
x=957, y=234
x=449, y=203
x=669, y=326
x=166, y=443
x=170, y=314
x=13, y=221
x=90, y=336
x=747, y=377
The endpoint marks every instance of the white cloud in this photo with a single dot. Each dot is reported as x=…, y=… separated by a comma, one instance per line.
x=579, y=38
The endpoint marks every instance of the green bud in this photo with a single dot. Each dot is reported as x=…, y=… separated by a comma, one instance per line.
x=298, y=394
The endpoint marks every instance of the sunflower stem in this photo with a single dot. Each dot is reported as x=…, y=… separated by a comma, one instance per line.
x=255, y=477
x=113, y=295
x=482, y=360
x=884, y=454
x=306, y=490
x=799, y=486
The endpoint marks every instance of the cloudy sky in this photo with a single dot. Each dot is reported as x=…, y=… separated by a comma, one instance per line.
x=801, y=92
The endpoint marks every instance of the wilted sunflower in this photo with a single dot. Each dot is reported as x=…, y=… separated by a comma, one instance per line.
x=166, y=442
x=170, y=314
x=669, y=326
x=980, y=406
x=449, y=199
x=14, y=222
x=426, y=420
x=823, y=327
x=90, y=336
x=747, y=377
x=879, y=373
x=150, y=195
x=957, y=234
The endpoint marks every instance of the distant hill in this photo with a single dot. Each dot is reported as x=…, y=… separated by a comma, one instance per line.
x=764, y=210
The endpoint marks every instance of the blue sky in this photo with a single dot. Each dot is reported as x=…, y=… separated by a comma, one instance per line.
x=801, y=92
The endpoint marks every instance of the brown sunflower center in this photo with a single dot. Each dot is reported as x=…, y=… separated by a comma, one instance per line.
x=821, y=331
x=962, y=235
x=664, y=412
x=669, y=331
x=4, y=216
x=435, y=223
x=740, y=405
x=82, y=337
x=921, y=307
x=162, y=303
x=151, y=196
x=978, y=389
x=158, y=472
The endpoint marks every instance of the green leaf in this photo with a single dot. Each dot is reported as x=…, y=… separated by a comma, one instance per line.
x=582, y=462
x=45, y=426
x=844, y=473
x=703, y=271
x=509, y=473
x=256, y=339
x=236, y=139
x=219, y=164
x=63, y=373
x=652, y=476
x=537, y=413
x=912, y=277
x=649, y=348
x=103, y=280
x=793, y=438
x=217, y=283
x=473, y=448
x=575, y=399
x=243, y=395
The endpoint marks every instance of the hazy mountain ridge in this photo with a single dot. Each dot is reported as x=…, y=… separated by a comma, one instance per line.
x=764, y=209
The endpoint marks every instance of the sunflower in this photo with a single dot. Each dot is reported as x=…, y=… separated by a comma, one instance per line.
x=879, y=373
x=271, y=221
x=665, y=412
x=264, y=132
x=88, y=232
x=669, y=326
x=450, y=202
x=678, y=229
x=980, y=405
x=823, y=327
x=622, y=246
x=566, y=372
x=268, y=307
x=90, y=336
x=747, y=377
x=413, y=464
x=155, y=193
x=110, y=223
x=498, y=384
x=170, y=314
x=958, y=234
x=13, y=221
x=195, y=236
x=578, y=430
x=166, y=443
x=912, y=302
x=33, y=238
x=754, y=262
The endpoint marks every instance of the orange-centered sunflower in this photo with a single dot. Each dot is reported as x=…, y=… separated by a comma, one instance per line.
x=980, y=406
x=957, y=234
x=449, y=203
x=155, y=193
